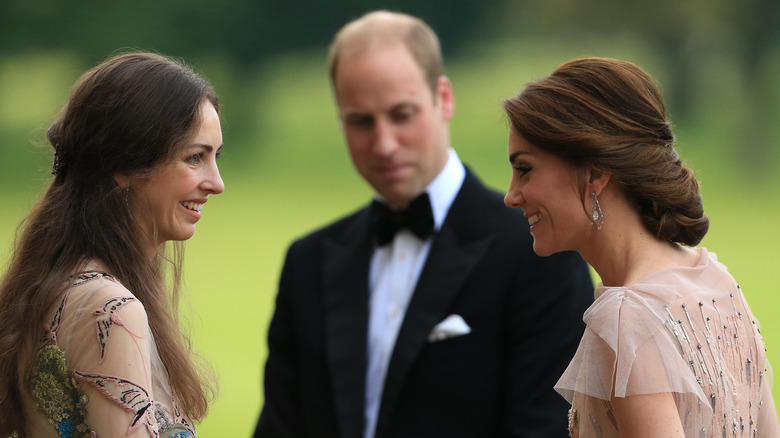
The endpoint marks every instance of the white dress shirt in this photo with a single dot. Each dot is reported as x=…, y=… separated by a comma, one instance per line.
x=395, y=269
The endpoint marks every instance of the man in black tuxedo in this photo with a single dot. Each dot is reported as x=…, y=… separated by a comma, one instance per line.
x=436, y=321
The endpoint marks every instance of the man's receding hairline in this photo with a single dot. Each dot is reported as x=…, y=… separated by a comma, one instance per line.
x=380, y=30
x=374, y=32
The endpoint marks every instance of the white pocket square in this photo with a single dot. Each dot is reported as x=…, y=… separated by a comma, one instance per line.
x=451, y=326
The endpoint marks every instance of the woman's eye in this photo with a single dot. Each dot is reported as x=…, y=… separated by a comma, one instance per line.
x=194, y=159
x=523, y=169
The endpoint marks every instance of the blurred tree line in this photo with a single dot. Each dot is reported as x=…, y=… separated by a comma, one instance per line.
x=681, y=33
x=684, y=34
x=248, y=31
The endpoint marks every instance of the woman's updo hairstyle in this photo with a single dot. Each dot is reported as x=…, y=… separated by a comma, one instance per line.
x=608, y=116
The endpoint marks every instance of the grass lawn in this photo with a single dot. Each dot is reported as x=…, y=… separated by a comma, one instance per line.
x=290, y=173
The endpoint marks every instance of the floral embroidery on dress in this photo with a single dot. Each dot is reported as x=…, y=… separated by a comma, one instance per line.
x=83, y=277
x=177, y=427
x=55, y=394
x=128, y=395
x=55, y=388
x=50, y=333
x=106, y=317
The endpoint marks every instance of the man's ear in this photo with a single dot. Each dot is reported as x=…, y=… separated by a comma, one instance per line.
x=122, y=180
x=446, y=97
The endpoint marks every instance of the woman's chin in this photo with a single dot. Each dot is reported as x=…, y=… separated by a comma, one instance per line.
x=542, y=250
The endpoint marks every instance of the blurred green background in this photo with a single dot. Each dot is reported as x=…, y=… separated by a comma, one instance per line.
x=287, y=170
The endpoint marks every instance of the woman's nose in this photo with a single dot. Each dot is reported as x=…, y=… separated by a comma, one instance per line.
x=214, y=183
x=513, y=197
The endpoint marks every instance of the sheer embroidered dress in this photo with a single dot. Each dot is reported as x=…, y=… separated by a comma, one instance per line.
x=98, y=373
x=688, y=331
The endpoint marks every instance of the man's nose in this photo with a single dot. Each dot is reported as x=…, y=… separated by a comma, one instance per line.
x=385, y=140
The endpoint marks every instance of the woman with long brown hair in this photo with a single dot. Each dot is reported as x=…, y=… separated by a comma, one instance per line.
x=90, y=340
x=671, y=347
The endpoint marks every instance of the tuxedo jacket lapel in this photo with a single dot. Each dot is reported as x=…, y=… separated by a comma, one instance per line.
x=458, y=247
x=345, y=288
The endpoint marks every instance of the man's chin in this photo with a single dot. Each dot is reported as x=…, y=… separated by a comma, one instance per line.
x=399, y=198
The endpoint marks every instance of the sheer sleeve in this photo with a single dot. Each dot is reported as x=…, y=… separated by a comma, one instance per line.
x=106, y=335
x=629, y=348
x=767, y=419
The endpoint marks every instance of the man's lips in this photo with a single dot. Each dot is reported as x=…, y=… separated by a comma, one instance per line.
x=391, y=170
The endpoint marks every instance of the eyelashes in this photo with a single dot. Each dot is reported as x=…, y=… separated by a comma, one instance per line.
x=522, y=169
x=196, y=158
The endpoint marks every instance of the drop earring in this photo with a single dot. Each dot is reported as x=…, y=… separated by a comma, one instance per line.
x=596, y=214
x=127, y=202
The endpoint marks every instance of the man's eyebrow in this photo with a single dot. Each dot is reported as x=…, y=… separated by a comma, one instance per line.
x=357, y=116
x=404, y=104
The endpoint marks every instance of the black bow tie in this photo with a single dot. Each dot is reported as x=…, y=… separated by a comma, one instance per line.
x=418, y=219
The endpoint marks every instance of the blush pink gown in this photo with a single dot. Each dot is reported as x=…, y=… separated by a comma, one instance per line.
x=684, y=330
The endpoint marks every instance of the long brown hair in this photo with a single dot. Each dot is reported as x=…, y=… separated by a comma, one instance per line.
x=128, y=116
x=607, y=115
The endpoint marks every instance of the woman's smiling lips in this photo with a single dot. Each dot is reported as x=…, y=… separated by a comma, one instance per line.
x=193, y=207
x=534, y=218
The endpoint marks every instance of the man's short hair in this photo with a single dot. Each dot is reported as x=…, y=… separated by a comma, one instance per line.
x=381, y=29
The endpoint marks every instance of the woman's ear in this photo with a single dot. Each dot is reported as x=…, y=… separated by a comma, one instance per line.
x=597, y=180
x=122, y=180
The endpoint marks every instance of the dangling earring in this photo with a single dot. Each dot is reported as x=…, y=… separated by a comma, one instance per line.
x=596, y=214
x=127, y=202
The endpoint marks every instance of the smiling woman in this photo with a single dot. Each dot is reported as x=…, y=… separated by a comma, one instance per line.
x=174, y=193
x=545, y=187
x=135, y=152
x=671, y=346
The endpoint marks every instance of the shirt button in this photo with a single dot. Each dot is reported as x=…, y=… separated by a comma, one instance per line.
x=395, y=312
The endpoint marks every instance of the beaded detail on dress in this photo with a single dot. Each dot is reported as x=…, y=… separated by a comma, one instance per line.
x=687, y=331
x=573, y=426
x=721, y=327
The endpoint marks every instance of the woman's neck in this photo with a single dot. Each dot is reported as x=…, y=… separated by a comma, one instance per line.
x=624, y=251
x=630, y=258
